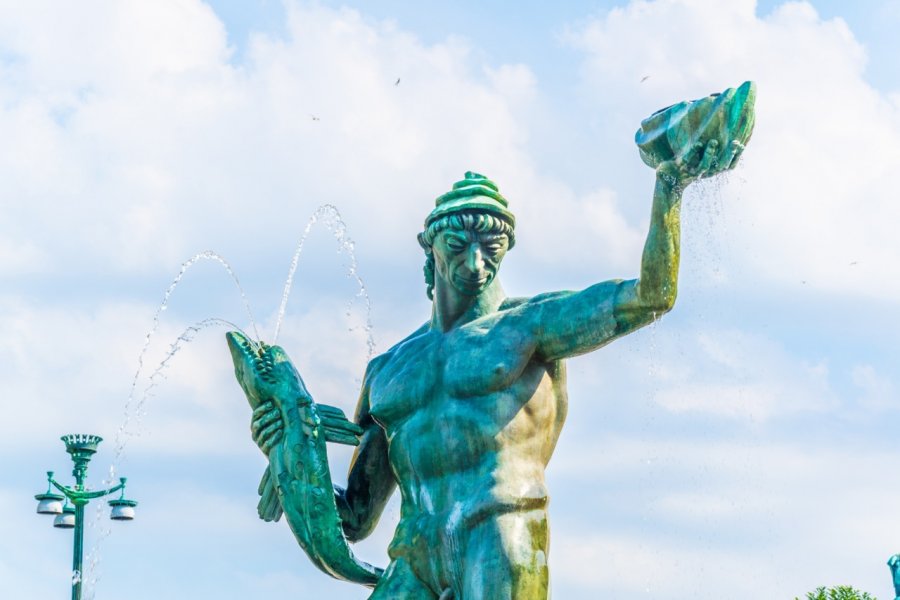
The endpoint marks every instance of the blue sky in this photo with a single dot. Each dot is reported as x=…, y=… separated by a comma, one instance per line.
x=740, y=448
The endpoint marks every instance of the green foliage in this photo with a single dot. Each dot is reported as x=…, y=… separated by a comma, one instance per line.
x=841, y=592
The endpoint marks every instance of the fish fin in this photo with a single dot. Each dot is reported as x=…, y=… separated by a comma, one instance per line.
x=337, y=427
x=269, y=507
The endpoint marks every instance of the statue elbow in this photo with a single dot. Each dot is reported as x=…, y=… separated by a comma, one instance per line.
x=356, y=531
x=354, y=522
x=661, y=305
x=655, y=300
x=669, y=302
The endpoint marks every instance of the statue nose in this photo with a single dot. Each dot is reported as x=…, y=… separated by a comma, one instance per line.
x=474, y=259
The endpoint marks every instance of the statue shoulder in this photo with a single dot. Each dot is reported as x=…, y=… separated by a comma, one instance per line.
x=378, y=362
x=510, y=303
x=598, y=292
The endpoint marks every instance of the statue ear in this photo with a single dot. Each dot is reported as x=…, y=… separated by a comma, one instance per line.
x=425, y=246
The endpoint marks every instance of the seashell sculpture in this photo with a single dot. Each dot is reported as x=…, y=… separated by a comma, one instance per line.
x=673, y=132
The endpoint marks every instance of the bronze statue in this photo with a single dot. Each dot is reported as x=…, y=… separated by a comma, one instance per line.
x=463, y=415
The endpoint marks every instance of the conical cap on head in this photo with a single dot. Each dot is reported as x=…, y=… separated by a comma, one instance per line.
x=474, y=192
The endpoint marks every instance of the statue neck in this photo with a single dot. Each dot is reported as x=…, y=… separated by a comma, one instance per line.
x=452, y=309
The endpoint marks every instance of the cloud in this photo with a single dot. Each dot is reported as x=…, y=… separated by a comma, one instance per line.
x=132, y=159
x=877, y=391
x=744, y=376
x=19, y=256
x=817, y=204
x=722, y=518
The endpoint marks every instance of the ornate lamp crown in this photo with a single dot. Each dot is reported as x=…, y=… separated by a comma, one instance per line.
x=82, y=447
x=83, y=442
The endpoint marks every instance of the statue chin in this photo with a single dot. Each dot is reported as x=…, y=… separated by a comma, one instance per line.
x=672, y=132
x=471, y=288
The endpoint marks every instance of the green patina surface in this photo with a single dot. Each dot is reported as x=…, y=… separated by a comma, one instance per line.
x=462, y=416
x=894, y=564
x=298, y=480
x=81, y=447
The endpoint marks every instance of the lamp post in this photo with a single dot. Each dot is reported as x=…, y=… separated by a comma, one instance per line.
x=81, y=447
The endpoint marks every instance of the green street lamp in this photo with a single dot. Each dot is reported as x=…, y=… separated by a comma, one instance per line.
x=71, y=516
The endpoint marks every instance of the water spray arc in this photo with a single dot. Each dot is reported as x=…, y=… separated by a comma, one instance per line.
x=136, y=402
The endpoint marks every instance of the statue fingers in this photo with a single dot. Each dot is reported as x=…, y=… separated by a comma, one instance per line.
x=690, y=158
x=686, y=166
x=266, y=418
x=735, y=150
x=709, y=160
x=272, y=441
x=260, y=410
x=268, y=432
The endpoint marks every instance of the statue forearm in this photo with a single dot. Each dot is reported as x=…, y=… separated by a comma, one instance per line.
x=658, y=284
x=353, y=520
x=357, y=522
x=370, y=484
x=572, y=323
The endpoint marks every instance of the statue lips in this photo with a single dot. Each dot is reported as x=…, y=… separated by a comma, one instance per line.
x=472, y=285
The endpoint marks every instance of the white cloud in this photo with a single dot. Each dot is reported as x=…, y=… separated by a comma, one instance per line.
x=743, y=376
x=723, y=518
x=817, y=205
x=877, y=390
x=70, y=370
x=20, y=256
x=624, y=567
x=137, y=157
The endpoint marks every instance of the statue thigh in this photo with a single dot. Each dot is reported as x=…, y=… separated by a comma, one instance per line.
x=506, y=558
x=503, y=557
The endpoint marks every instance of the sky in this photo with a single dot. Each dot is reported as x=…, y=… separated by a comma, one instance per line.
x=742, y=447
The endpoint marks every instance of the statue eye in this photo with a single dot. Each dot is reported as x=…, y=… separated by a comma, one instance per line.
x=455, y=245
x=494, y=247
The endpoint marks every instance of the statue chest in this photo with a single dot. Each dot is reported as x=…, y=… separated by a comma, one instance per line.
x=447, y=372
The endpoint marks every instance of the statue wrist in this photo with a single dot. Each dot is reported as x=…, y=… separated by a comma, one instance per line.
x=669, y=184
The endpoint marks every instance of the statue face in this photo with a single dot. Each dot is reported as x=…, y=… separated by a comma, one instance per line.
x=468, y=260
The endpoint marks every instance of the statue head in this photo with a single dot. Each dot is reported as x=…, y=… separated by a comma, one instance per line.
x=467, y=235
